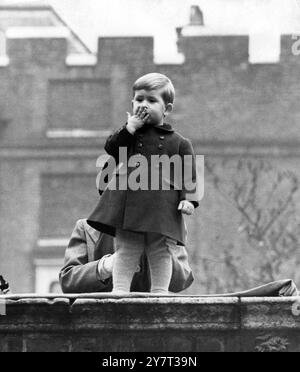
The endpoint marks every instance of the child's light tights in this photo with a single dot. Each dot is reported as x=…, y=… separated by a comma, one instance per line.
x=129, y=248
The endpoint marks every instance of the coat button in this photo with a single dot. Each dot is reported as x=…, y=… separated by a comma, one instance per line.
x=137, y=164
x=162, y=138
x=140, y=145
x=160, y=147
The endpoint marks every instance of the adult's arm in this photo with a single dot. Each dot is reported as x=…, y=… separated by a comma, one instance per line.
x=78, y=275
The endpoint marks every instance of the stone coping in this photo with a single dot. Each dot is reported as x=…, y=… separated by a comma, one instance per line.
x=143, y=322
x=94, y=312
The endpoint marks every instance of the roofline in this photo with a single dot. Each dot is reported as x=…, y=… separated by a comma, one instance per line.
x=37, y=32
x=26, y=7
x=51, y=8
x=78, y=38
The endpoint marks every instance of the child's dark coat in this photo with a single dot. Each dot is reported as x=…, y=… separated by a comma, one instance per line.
x=142, y=210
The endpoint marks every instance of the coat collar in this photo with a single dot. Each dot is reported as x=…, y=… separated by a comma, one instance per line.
x=164, y=128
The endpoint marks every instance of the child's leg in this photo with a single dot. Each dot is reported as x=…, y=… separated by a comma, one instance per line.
x=129, y=248
x=158, y=248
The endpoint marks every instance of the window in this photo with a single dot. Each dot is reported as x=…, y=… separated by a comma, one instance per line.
x=55, y=287
x=3, y=57
x=46, y=275
x=78, y=107
x=65, y=198
x=2, y=43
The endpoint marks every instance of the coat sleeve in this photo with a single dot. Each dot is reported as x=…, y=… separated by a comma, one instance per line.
x=182, y=277
x=190, y=188
x=78, y=275
x=121, y=138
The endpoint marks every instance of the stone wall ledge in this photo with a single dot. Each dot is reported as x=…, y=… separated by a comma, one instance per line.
x=148, y=323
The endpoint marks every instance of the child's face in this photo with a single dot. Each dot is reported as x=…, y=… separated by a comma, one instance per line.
x=152, y=100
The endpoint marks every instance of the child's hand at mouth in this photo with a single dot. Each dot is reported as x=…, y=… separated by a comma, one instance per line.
x=186, y=207
x=137, y=120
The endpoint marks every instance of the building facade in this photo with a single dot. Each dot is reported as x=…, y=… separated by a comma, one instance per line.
x=59, y=102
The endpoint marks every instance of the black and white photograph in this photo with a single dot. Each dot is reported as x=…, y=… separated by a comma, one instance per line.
x=149, y=179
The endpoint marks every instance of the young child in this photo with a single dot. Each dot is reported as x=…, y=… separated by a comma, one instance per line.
x=148, y=220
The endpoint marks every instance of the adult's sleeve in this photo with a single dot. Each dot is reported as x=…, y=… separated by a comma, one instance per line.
x=78, y=275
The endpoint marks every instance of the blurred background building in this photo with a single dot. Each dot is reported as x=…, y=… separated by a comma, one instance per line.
x=238, y=93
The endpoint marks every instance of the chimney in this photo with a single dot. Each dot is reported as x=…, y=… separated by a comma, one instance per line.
x=196, y=16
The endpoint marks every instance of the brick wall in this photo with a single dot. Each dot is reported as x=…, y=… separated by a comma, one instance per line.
x=79, y=104
x=64, y=197
x=220, y=96
x=190, y=324
x=230, y=100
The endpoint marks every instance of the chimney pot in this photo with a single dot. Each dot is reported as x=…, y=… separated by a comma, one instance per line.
x=196, y=16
